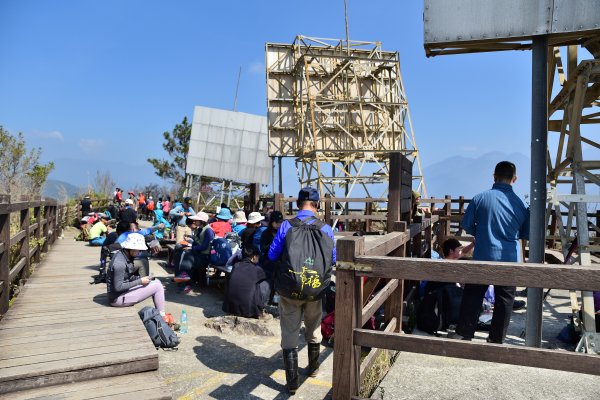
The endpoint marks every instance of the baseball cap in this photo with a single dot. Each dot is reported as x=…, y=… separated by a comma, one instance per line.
x=276, y=216
x=187, y=200
x=308, y=193
x=201, y=216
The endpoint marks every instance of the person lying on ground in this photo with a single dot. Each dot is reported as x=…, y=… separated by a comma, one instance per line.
x=222, y=226
x=248, y=290
x=98, y=231
x=125, y=287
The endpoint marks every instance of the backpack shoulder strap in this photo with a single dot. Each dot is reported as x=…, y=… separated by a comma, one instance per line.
x=296, y=222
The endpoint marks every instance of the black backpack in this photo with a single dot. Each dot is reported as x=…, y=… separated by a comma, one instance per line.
x=439, y=308
x=160, y=332
x=305, y=269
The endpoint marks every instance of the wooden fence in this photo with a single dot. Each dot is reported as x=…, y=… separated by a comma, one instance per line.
x=38, y=225
x=357, y=259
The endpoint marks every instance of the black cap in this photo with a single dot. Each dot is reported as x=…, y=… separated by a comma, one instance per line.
x=187, y=200
x=308, y=193
x=276, y=216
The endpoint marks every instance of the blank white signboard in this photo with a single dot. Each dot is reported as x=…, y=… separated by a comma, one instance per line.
x=229, y=145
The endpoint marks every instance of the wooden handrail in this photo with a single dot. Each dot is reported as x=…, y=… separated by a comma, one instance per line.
x=28, y=253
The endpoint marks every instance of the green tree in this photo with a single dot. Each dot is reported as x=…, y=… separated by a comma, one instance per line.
x=20, y=170
x=176, y=144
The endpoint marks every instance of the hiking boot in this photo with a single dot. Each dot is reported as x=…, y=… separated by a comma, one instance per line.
x=187, y=289
x=182, y=277
x=518, y=305
x=314, y=350
x=290, y=362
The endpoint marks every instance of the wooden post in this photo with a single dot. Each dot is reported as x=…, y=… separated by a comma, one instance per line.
x=24, y=252
x=395, y=190
x=54, y=223
x=554, y=226
x=368, y=211
x=327, y=201
x=46, y=225
x=254, y=192
x=429, y=237
x=5, y=255
x=290, y=207
x=37, y=214
x=394, y=305
x=446, y=221
x=278, y=202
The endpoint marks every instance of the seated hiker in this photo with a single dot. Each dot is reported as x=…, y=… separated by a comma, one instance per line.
x=440, y=306
x=128, y=214
x=159, y=218
x=178, y=215
x=255, y=221
x=98, y=231
x=195, y=255
x=275, y=221
x=417, y=210
x=125, y=287
x=239, y=222
x=248, y=289
x=153, y=246
x=222, y=226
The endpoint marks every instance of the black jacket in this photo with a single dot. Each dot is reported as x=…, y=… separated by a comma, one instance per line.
x=242, y=295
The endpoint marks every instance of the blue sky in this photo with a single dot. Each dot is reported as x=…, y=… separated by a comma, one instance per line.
x=101, y=80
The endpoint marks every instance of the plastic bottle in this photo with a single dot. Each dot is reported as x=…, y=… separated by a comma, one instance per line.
x=183, y=329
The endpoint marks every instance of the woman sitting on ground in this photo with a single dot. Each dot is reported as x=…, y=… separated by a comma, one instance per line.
x=248, y=289
x=124, y=285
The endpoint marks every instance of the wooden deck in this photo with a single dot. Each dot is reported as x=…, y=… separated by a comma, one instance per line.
x=61, y=330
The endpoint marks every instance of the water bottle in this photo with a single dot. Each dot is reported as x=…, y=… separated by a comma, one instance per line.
x=184, y=323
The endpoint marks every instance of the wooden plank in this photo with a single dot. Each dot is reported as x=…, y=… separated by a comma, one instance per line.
x=17, y=237
x=386, y=244
x=54, y=328
x=368, y=361
x=358, y=199
x=132, y=385
x=4, y=263
x=17, y=268
x=27, y=377
x=69, y=354
x=503, y=353
x=378, y=300
x=359, y=217
x=484, y=272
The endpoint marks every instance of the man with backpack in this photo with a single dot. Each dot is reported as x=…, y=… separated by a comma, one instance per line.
x=304, y=248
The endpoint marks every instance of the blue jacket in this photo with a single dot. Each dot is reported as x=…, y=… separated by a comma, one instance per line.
x=159, y=218
x=143, y=232
x=279, y=242
x=497, y=218
x=179, y=208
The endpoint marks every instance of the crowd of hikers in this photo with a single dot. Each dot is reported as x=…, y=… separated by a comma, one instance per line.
x=268, y=259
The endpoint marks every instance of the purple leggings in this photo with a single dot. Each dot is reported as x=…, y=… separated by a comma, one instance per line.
x=139, y=293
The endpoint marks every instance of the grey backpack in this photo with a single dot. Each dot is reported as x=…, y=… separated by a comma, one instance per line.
x=305, y=269
x=160, y=332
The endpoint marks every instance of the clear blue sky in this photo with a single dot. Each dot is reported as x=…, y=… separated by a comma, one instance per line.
x=104, y=79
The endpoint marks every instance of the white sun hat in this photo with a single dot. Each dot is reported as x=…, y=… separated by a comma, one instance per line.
x=134, y=241
x=255, y=217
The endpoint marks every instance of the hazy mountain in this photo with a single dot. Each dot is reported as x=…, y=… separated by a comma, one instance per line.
x=467, y=176
x=58, y=189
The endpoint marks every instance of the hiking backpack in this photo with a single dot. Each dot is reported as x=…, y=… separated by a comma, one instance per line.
x=160, y=332
x=305, y=269
x=220, y=251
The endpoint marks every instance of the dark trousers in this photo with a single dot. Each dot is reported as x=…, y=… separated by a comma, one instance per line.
x=470, y=308
x=194, y=264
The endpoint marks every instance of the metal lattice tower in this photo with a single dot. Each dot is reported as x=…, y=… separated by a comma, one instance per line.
x=339, y=107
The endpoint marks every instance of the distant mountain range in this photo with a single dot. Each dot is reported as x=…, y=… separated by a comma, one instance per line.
x=455, y=176
x=467, y=176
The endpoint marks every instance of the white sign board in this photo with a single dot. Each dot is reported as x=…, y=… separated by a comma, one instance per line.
x=229, y=145
x=458, y=21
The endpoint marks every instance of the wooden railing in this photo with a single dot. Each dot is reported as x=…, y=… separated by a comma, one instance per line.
x=38, y=225
x=356, y=260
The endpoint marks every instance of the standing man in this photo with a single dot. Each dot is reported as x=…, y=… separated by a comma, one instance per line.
x=305, y=249
x=86, y=205
x=498, y=219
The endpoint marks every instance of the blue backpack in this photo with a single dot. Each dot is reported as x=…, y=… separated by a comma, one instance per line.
x=220, y=252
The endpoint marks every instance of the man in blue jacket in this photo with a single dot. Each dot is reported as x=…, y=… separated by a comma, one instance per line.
x=498, y=219
x=291, y=310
